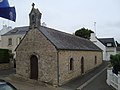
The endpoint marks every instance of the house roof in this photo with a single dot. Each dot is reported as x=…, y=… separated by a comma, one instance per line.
x=60, y=40
x=17, y=30
x=106, y=41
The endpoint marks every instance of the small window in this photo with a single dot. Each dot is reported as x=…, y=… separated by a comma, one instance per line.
x=95, y=59
x=33, y=19
x=71, y=64
x=10, y=41
x=109, y=44
x=82, y=65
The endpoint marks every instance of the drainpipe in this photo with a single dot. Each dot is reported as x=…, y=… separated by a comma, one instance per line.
x=57, y=68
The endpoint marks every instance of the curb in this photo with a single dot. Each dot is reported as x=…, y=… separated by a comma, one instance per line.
x=83, y=85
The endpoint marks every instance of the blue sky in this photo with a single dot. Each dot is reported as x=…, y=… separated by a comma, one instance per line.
x=70, y=15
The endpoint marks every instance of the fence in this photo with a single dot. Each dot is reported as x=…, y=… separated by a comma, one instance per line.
x=113, y=79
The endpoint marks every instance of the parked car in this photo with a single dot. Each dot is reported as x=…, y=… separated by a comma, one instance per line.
x=4, y=85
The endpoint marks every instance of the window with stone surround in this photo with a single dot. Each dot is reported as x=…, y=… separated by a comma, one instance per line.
x=71, y=64
x=9, y=41
x=95, y=59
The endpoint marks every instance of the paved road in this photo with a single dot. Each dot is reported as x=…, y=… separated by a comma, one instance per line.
x=99, y=83
x=77, y=82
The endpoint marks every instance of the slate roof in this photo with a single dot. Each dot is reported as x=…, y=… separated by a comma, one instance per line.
x=61, y=40
x=107, y=40
x=17, y=30
x=67, y=41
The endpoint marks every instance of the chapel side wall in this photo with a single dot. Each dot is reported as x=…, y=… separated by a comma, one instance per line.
x=36, y=43
x=89, y=63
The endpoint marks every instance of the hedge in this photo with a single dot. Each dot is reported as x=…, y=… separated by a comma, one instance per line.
x=4, y=56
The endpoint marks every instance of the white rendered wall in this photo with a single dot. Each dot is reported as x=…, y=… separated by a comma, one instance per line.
x=99, y=44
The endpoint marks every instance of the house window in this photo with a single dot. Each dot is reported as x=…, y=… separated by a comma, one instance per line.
x=71, y=64
x=95, y=59
x=109, y=44
x=10, y=41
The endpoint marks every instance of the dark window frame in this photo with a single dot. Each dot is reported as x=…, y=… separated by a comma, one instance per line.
x=9, y=41
x=71, y=64
x=95, y=60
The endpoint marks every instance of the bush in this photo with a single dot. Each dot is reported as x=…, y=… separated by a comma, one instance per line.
x=4, y=56
x=115, y=61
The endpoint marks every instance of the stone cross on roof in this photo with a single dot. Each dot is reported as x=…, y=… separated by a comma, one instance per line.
x=33, y=5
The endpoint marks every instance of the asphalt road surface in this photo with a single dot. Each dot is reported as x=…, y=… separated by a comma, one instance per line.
x=99, y=83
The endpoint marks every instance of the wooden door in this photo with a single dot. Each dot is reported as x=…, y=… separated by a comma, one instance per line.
x=34, y=67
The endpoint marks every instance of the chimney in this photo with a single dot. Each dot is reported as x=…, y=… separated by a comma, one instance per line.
x=93, y=37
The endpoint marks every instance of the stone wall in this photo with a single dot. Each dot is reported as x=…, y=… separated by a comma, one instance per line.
x=4, y=66
x=36, y=43
x=64, y=61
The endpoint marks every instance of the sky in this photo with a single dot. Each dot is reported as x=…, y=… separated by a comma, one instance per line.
x=71, y=15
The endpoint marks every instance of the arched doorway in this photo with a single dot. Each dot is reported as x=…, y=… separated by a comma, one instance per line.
x=34, y=67
x=82, y=65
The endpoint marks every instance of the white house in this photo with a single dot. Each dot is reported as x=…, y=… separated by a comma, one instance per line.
x=11, y=39
x=95, y=40
x=4, y=30
x=106, y=44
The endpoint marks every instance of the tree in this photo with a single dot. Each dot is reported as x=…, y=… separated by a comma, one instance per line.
x=85, y=33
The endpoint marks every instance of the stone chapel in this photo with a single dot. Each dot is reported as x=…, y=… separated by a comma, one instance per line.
x=54, y=57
